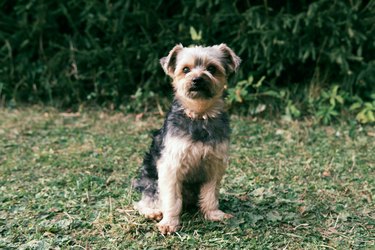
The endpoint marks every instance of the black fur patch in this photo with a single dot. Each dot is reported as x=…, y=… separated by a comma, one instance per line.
x=198, y=61
x=209, y=131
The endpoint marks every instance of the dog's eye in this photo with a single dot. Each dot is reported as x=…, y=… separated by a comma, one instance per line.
x=211, y=69
x=186, y=70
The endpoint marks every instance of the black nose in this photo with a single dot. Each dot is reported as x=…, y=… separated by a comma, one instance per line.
x=197, y=80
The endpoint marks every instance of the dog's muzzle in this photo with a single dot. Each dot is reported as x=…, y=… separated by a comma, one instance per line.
x=199, y=88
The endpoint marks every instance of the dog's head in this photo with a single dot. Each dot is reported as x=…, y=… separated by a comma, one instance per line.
x=200, y=73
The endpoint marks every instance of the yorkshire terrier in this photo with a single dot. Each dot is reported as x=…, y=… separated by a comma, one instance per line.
x=189, y=154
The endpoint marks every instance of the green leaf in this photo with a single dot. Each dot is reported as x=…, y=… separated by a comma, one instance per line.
x=333, y=112
x=250, y=80
x=271, y=93
x=334, y=90
x=259, y=83
x=355, y=106
x=361, y=117
x=370, y=116
x=340, y=99
x=242, y=83
x=332, y=101
x=195, y=36
x=369, y=106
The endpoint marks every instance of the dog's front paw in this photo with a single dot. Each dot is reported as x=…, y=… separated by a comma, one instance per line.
x=217, y=215
x=168, y=226
x=154, y=215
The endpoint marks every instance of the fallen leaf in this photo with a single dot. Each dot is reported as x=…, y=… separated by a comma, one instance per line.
x=326, y=173
x=259, y=191
x=301, y=209
x=243, y=197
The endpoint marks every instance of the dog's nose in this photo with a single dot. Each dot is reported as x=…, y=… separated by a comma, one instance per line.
x=197, y=80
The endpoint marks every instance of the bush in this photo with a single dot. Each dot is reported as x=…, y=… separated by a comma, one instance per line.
x=106, y=52
x=311, y=55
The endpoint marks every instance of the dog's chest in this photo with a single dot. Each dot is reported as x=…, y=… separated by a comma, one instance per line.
x=189, y=155
x=189, y=146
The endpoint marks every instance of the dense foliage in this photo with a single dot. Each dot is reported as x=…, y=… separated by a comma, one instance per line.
x=299, y=57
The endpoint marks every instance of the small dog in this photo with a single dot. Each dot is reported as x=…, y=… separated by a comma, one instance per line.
x=189, y=154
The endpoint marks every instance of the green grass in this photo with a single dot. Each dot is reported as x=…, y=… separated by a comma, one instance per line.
x=65, y=183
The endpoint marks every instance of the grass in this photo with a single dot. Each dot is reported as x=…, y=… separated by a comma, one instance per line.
x=65, y=183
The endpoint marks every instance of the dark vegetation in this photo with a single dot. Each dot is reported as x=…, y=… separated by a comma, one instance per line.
x=299, y=57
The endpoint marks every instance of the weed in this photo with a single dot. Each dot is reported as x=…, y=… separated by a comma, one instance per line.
x=365, y=110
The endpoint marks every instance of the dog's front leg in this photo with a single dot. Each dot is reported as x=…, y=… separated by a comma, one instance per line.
x=209, y=192
x=170, y=197
x=209, y=202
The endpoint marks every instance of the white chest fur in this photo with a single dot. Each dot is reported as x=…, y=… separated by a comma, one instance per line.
x=181, y=154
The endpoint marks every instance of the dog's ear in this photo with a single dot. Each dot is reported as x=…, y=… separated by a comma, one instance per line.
x=168, y=63
x=230, y=60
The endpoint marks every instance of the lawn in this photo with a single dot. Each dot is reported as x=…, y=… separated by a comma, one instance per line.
x=65, y=183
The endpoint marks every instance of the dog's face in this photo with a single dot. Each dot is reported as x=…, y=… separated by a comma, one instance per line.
x=200, y=73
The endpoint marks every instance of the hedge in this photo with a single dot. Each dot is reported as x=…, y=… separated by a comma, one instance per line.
x=298, y=56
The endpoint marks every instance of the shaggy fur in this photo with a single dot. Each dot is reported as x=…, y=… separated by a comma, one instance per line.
x=189, y=154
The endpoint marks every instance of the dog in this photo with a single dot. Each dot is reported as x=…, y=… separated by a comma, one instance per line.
x=189, y=154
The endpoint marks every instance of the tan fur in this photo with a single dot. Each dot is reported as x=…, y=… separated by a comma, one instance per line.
x=203, y=109
x=181, y=83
